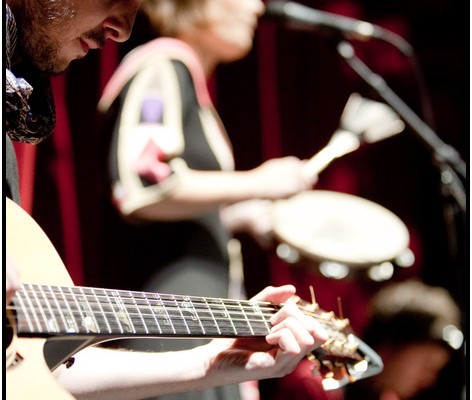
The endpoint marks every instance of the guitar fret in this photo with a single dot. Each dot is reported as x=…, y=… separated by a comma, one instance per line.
x=194, y=329
x=213, y=316
x=54, y=306
x=24, y=312
x=70, y=325
x=161, y=311
x=101, y=311
x=109, y=294
x=238, y=318
x=51, y=322
x=180, y=317
x=141, y=316
x=197, y=317
x=122, y=314
x=73, y=319
x=81, y=318
x=260, y=323
x=90, y=323
x=228, y=317
x=246, y=318
x=37, y=320
x=156, y=321
x=267, y=324
x=133, y=311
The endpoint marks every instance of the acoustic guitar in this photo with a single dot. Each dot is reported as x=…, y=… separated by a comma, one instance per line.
x=50, y=320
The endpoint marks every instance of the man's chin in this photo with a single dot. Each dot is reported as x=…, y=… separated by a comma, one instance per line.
x=57, y=72
x=53, y=63
x=57, y=68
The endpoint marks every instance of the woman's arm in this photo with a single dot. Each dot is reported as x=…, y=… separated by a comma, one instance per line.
x=201, y=191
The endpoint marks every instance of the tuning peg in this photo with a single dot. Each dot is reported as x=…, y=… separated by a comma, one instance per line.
x=343, y=358
x=340, y=308
x=327, y=369
x=342, y=324
x=340, y=372
x=312, y=293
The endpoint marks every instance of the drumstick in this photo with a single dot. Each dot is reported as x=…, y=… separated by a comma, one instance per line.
x=341, y=143
x=362, y=120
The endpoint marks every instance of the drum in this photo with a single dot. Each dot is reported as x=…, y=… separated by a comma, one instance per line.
x=341, y=234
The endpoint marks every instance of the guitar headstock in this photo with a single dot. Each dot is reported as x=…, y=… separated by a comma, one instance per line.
x=343, y=358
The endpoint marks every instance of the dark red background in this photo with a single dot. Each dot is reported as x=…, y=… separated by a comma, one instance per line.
x=286, y=98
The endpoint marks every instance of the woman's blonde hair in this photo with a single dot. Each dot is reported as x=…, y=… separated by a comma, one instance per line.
x=170, y=17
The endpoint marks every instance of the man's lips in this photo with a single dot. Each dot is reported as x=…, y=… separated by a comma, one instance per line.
x=85, y=46
x=88, y=45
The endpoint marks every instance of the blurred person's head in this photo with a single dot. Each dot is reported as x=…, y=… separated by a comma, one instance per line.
x=414, y=328
x=220, y=30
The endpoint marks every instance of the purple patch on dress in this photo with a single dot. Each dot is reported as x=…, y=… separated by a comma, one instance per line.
x=152, y=109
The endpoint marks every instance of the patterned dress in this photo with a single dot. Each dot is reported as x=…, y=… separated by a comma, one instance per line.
x=164, y=124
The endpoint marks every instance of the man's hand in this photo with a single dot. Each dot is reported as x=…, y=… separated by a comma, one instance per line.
x=292, y=336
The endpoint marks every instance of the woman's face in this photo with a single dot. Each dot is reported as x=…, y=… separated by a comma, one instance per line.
x=229, y=31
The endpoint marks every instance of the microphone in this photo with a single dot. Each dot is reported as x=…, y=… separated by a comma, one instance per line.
x=298, y=15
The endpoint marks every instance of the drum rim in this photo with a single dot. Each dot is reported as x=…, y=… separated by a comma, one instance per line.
x=365, y=262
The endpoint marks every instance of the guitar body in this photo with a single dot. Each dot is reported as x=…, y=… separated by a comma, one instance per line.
x=28, y=245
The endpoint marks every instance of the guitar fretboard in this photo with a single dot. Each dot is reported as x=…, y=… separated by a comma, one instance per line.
x=43, y=310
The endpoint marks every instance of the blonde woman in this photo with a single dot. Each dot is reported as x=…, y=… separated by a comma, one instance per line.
x=171, y=163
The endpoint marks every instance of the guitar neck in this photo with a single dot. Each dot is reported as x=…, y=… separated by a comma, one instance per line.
x=43, y=310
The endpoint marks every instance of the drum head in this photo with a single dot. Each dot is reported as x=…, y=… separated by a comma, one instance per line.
x=331, y=226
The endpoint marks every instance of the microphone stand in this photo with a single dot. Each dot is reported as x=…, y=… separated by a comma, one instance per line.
x=452, y=168
x=450, y=164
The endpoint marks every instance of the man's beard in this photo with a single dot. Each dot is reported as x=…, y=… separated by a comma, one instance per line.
x=40, y=28
x=44, y=55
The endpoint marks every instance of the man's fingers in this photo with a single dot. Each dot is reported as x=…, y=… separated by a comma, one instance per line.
x=290, y=310
x=275, y=295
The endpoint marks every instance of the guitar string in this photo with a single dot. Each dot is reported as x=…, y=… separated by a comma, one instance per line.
x=238, y=307
x=195, y=330
x=176, y=308
x=214, y=320
x=159, y=297
x=217, y=327
x=171, y=308
x=174, y=312
x=171, y=303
